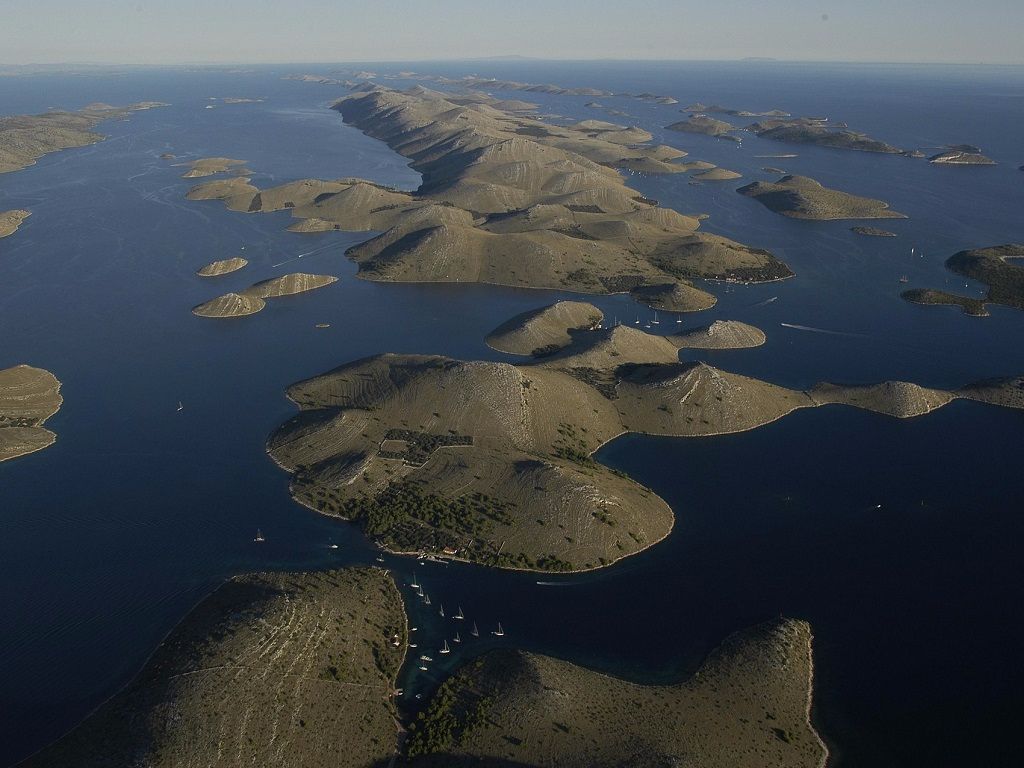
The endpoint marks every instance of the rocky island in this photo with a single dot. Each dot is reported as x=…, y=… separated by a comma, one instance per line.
x=222, y=267
x=818, y=132
x=254, y=298
x=872, y=232
x=508, y=199
x=493, y=462
x=26, y=138
x=28, y=397
x=961, y=154
x=299, y=669
x=11, y=220
x=802, y=198
x=209, y=166
x=702, y=124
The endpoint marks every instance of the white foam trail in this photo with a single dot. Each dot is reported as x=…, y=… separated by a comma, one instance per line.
x=821, y=330
x=296, y=258
x=766, y=301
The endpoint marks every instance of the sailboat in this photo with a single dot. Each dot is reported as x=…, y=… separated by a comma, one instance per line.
x=426, y=599
x=413, y=645
x=445, y=648
x=474, y=632
x=424, y=657
x=424, y=669
x=499, y=632
x=656, y=321
x=180, y=406
x=679, y=319
x=637, y=321
x=413, y=583
x=457, y=639
x=904, y=279
x=419, y=591
x=459, y=615
x=259, y=535
x=442, y=610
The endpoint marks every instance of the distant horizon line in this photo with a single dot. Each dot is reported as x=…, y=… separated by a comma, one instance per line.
x=511, y=59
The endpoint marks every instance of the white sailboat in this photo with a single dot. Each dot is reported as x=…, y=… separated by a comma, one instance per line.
x=426, y=599
x=180, y=406
x=413, y=583
x=656, y=321
x=474, y=631
x=445, y=648
x=259, y=536
x=457, y=639
x=442, y=610
x=460, y=616
x=499, y=632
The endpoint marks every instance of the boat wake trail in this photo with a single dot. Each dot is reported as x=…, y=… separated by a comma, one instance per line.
x=767, y=301
x=822, y=330
x=307, y=253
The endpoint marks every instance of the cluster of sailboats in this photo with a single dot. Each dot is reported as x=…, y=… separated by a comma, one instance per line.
x=654, y=321
x=445, y=649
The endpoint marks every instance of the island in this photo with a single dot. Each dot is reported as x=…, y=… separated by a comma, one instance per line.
x=969, y=305
x=492, y=462
x=995, y=266
x=716, y=109
x=717, y=174
x=703, y=124
x=818, y=132
x=28, y=397
x=961, y=154
x=507, y=199
x=800, y=197
x=272, y=669
x=254, y=298
x=209, y=166
x=544, y=330
x=11, y=220
x=747, y=706
x=222, y=267
x=872, y=232
x=299, y=669
x=26, y=138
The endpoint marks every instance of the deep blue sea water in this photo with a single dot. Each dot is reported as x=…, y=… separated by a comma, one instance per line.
x=138, y=510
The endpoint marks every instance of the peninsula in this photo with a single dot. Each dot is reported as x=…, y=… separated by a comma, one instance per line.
x=282, y=669
x=509, y=199
x=11, y=220
x=746, y=707
x=28, y=397
x=802, y=198
x=26, y=138
x=493, y=462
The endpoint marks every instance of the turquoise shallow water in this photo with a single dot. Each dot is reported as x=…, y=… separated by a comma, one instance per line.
x=138, y=510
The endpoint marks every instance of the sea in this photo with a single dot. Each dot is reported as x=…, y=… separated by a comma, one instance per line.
x=898, y=540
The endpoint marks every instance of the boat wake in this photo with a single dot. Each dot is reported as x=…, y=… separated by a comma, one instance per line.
x=301, y=255
x=767, y=301
x=812, y=329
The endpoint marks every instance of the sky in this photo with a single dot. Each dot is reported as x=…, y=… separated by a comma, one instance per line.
x=144, y=32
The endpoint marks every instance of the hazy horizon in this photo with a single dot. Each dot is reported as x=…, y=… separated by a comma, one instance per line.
x=143, y=32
